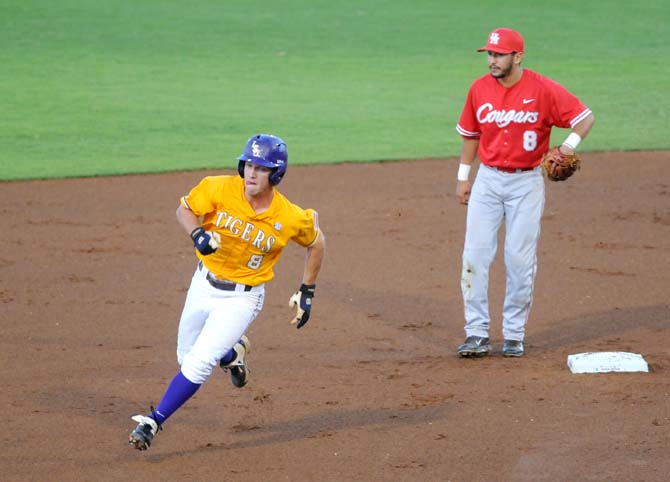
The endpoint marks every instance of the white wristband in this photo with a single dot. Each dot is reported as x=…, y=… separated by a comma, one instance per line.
x=463, y=172
x=572, y=141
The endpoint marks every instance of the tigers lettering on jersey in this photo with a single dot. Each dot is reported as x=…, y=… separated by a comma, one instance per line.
x=246, y=231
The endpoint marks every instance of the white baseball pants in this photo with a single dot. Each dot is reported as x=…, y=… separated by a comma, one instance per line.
x=519, y=199
x=212, y=321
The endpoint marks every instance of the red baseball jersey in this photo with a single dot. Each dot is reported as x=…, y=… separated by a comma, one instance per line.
x=514, y=124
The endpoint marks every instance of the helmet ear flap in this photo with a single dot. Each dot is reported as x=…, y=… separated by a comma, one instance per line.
x=275, y=175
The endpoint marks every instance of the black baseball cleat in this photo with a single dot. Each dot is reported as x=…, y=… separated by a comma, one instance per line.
x=513, y=348
x=144, y=433
x=475, y=347
x=239, y=372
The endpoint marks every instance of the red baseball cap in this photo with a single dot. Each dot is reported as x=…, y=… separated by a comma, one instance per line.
x=503, y=41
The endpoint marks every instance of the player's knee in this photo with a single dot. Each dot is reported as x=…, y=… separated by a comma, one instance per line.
x=519, y=261
x=180, y=357
x=195, y=369
x=478, y=258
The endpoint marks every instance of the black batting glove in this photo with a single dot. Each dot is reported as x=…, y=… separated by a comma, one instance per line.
x=205, y=241
x=302, y=299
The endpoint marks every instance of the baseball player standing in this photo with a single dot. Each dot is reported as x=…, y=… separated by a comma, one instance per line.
x=239, y=226
x=506, y=122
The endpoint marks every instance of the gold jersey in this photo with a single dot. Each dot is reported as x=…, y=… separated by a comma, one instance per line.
x=251, y=243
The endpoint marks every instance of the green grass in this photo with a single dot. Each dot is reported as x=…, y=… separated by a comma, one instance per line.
x=93, y=88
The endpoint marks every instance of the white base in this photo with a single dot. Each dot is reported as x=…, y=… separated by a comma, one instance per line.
x=607, y=361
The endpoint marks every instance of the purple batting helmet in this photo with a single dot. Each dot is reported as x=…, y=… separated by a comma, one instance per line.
x=268, y=151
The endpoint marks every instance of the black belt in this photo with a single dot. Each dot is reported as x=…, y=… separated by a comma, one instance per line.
x=512, y=170
x=221, y=284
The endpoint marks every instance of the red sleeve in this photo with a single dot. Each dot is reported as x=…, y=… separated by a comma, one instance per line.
x=568, y=110
x=468, y=125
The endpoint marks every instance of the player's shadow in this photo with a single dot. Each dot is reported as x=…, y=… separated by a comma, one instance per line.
x=599, y=326
x=320, y=425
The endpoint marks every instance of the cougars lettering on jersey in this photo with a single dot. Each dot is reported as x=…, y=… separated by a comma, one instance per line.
x=250, y=244
x=514, y=124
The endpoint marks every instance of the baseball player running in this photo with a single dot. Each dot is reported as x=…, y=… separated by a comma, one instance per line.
x=239, y=226
x=506, y=122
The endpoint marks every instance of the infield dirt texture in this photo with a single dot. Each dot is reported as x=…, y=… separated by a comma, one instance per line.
x=93, y=274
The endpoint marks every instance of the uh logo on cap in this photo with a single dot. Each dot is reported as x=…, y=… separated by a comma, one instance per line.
x=503, y=41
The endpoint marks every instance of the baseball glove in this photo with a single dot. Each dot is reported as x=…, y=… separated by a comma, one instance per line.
x=558, y=166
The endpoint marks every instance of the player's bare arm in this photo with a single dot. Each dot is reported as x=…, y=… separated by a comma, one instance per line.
x=187, y=219
x=581, y=130
x=302, y=299
x=464, y=185
x=314, y=259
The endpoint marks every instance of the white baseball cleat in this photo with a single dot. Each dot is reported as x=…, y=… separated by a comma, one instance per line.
x=239, y=371
x=144, y=433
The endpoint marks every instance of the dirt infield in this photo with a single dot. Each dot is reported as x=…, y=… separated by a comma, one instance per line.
x=93, y=274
